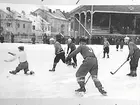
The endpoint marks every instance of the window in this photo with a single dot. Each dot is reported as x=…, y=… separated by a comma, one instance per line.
x=18, y=25
x=33, y=27
x=23, y=25
x=9, y=24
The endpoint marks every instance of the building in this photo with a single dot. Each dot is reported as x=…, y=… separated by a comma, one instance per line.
x=15, y=23
x=88, y=20
x=56, y=19
x=39, y=26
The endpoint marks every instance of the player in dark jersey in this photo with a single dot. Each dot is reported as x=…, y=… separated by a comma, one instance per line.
x=59, y=52
x=72, y=47
x=134, y=55
x=90, y=64
x=106, y=48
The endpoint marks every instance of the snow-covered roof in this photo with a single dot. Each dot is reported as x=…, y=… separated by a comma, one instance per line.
x=15, y=15
x=36, y=18
x=54, y=15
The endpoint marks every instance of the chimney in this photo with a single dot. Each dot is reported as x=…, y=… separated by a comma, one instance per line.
x=50, y=10
x=8, y=8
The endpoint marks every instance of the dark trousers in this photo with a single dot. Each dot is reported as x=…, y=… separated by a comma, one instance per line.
x=74, y=58
x=134, y=60
x=117, y=46
x=22, y=66
x=59, y=56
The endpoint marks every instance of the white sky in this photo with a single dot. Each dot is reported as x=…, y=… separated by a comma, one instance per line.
x=66, y=5
x=32, y=7
x=73, y=2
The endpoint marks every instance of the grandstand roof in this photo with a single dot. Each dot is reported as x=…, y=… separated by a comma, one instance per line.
x=135, y=9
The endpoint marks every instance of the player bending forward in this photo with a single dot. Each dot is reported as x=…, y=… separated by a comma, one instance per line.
x=89, y=64
x=72, y=47
x=59, y=52
x=134, y=55
x=23, y=65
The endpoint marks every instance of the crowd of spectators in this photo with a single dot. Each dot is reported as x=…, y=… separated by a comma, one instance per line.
x=95, y=39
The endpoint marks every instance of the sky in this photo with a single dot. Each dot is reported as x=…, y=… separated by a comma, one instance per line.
x=32, y=7
x=73, y=2
x=63, y=5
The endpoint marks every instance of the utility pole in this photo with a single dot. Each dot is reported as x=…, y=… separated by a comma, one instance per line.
x=0, y=24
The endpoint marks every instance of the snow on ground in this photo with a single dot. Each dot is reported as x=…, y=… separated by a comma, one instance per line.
x=60, y=85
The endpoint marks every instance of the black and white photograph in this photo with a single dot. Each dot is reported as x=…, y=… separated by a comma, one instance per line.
x=69, y=52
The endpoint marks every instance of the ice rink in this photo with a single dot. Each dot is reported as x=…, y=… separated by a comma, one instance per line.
x=58, y=87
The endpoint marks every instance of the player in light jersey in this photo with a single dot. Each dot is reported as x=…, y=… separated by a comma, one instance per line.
x=23, y=64
x=90, y=64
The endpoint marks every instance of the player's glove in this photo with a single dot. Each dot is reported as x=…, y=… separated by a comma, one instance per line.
x=127, y=59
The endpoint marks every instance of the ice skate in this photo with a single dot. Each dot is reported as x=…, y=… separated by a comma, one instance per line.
x=80, y=92
x=29, y=73
x=107, y=56
x=12, y=72
x=103, y=92
x=129, y=74
x=52, y=70
x=74, y=65
x=134, y=74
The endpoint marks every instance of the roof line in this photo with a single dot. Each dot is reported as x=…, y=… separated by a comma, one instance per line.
x=116, y=12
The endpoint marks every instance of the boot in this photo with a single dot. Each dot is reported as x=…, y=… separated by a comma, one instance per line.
x=81, y=89
x=12, y=72
x=103, y=92
x=134, y=74
x=107, y=56
x=52, y=70
x=129, y=74
x=74, y=65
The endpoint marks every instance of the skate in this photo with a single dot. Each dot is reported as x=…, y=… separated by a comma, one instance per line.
x=134, y=74
x=52, y=70
x=80, y=92
x=69, y=64
x=74, y=65
x=29, y=73
x=129, y=74
x=107, y=56
x=12, y=72
x=103, y=92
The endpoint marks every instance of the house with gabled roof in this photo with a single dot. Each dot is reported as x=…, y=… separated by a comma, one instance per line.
x=56, y=19
x=15, y=23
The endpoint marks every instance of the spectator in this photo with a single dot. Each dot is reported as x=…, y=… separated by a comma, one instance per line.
x=12, y=38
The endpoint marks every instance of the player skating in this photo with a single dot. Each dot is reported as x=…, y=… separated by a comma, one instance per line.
x=23, y=65
x=106, y=48
x=134, y=55
x=72, y=47
x=59, y=53
x=90, y=64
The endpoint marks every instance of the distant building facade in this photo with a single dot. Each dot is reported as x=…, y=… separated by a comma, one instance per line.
x=56, y=19
x=15, y=23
